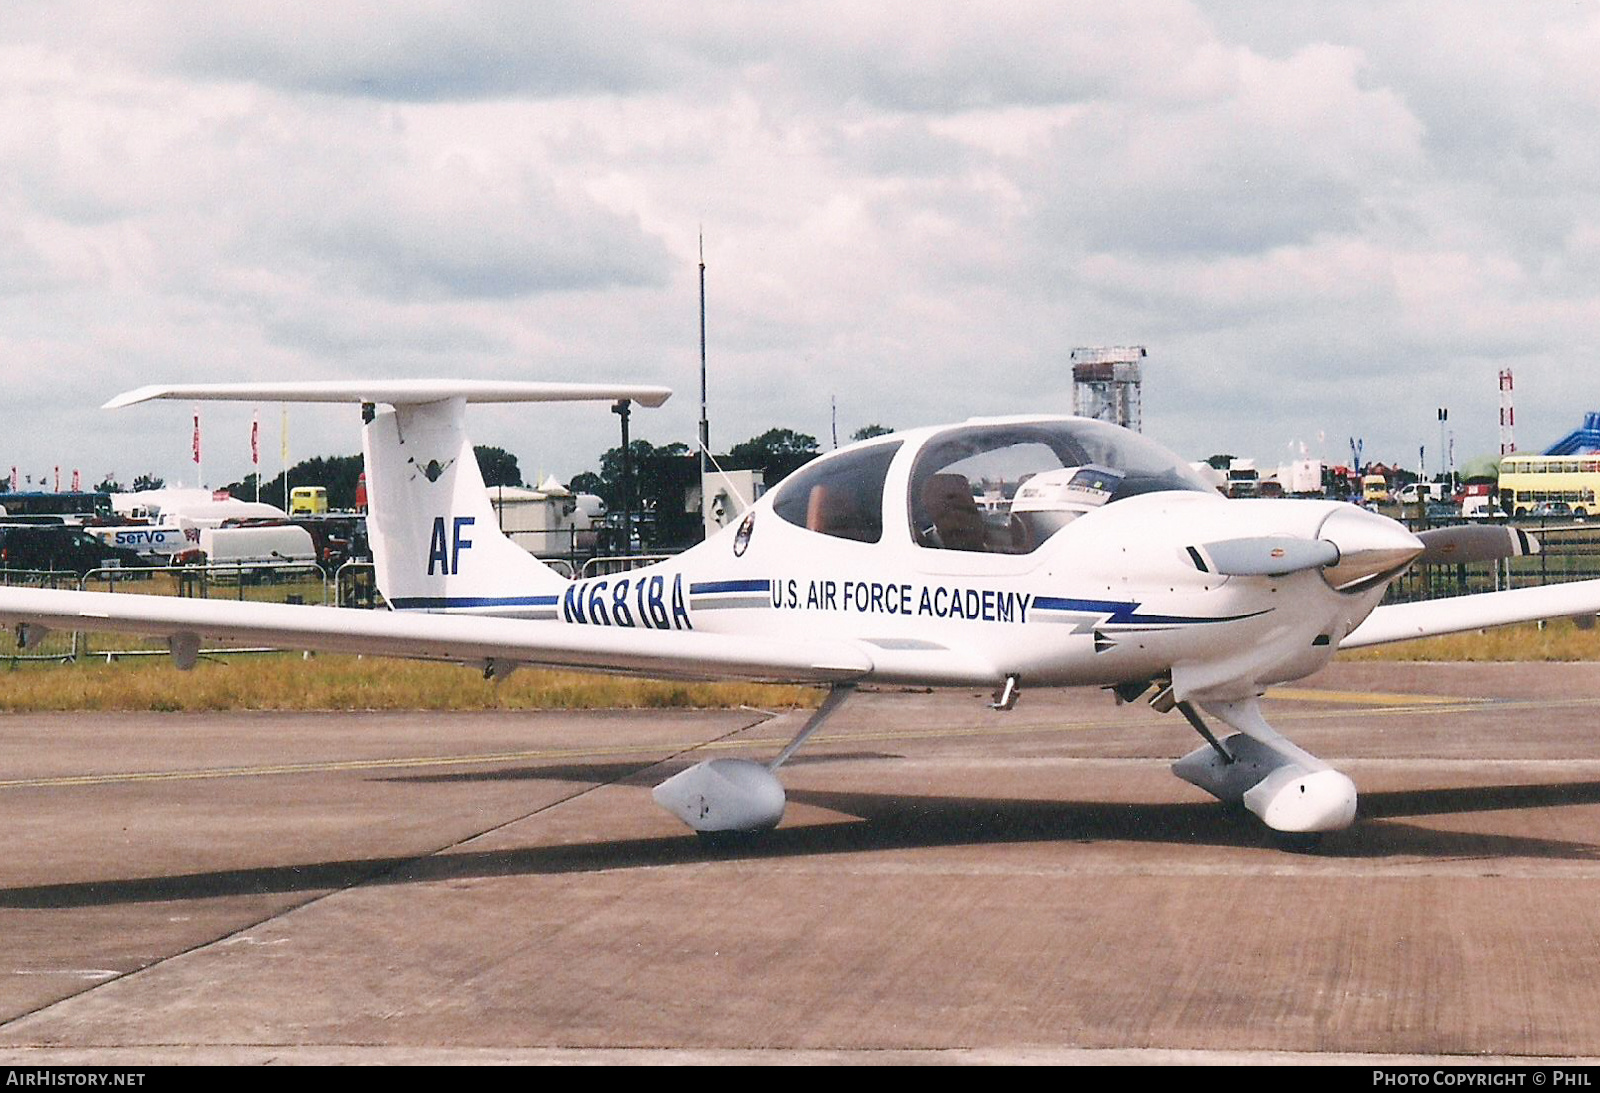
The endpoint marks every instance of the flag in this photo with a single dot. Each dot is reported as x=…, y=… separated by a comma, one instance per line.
x=255, y=439
x=197, y=438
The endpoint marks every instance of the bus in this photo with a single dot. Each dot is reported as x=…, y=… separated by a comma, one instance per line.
x=77, y=506
x=1533, y=484
x=308, y=501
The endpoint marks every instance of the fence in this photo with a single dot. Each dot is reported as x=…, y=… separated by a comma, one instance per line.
x=276, y=582
x=1569, y=552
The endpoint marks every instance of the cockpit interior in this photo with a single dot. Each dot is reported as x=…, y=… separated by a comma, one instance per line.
x=1002, y=488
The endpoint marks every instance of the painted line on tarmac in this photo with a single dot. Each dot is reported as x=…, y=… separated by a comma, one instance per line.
x=1430, y=704
x=1365, y=698
x=335, y=765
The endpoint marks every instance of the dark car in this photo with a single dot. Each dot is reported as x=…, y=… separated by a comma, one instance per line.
x=338, y=538
x=62, y=548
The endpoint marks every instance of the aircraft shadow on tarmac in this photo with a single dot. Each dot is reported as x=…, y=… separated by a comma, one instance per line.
x=885, y=822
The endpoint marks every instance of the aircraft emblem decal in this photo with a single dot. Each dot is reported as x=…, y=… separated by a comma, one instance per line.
x=432, y=470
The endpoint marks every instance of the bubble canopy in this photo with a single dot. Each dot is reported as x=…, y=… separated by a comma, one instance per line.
x=1000, y=486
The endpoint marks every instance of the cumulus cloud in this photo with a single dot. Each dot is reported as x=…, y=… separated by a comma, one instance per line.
x=1319, y=218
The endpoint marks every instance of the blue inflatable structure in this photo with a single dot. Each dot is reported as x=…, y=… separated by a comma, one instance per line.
x=1583, y=439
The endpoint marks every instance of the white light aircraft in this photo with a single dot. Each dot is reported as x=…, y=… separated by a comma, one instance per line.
x=1001, y=552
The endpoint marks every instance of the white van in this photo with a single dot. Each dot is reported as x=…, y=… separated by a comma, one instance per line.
x=156, y=543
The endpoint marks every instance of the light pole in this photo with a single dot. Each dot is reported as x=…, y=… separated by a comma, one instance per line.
x=622, y=408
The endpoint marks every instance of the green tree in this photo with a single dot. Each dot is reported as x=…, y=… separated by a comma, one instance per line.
x=587, y=482
x=867, y=432
x=775, y=453
x=142, y=482
x=336, y=472
x=498, y=466
x=661, y=478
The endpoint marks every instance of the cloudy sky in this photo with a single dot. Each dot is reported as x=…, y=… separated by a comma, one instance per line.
x=1322, y=219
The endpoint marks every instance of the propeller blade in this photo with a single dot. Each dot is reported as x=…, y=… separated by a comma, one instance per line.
x=1474, y=543
x=1262, y=556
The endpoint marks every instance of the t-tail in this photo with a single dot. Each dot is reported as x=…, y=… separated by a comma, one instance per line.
x=435, y=541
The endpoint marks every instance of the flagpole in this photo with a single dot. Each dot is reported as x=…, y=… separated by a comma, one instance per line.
x=285, y=453
x=255, y=449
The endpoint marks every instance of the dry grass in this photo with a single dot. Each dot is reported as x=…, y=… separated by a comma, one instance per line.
x=289, y=682
x=1560, y=639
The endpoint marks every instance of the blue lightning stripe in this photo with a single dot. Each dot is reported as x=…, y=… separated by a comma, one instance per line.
x=411, y=602
x=729, y=586
x=1123, y=612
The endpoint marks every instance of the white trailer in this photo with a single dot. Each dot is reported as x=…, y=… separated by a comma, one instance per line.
x=550, y=521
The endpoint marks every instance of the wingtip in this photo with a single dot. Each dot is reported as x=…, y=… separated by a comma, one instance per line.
x=128, y=398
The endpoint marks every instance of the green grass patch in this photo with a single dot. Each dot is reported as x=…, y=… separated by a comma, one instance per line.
x=288, y=681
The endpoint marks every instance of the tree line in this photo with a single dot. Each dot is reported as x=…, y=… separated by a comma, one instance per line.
x=661, y=476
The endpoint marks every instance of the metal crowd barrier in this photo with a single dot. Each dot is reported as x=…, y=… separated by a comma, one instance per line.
x=619, y=563
x=262, y=582
x=56, y=645
x=354, y=584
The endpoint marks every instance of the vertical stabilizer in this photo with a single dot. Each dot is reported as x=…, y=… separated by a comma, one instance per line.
x=435, y=540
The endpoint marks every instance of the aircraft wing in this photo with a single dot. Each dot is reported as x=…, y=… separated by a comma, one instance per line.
x=1404, y=621
x=463, y=638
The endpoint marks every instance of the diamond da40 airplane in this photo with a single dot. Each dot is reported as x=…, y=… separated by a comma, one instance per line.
x=1112, y=565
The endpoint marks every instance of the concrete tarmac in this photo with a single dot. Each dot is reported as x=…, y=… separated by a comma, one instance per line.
x=950, y=884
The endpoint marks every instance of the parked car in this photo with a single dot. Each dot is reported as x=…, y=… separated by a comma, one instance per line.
x=62, y=548
x=1551, y=510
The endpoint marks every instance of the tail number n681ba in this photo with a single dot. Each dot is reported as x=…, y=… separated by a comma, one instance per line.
x=628, y=601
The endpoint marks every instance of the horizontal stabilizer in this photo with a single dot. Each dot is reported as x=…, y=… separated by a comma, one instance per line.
x=1474, y=543
x=1263, y=556
x=400, y=392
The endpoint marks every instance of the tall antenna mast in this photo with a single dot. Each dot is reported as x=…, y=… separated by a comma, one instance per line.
x=705, y=426
x=1508, y=414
